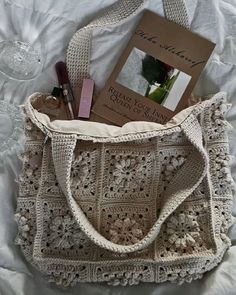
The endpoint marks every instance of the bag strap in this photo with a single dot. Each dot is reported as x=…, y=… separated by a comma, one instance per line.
x=183, y=184
x=78, y=52
x=176, y=11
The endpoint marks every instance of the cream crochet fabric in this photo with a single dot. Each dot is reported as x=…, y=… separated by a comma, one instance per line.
x=139, y=203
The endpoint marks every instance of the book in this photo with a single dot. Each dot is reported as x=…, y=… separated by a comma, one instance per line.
x=155, y=74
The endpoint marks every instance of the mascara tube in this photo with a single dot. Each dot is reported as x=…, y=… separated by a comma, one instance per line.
x=63, y=80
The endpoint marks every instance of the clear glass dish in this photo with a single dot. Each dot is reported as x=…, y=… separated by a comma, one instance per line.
x=20, y=60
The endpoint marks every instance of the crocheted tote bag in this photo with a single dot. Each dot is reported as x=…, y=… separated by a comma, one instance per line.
x=140, y=203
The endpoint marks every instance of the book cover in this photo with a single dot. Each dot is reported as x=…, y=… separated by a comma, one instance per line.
x=155, y=74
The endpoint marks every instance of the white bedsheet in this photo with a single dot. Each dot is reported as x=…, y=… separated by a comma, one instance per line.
x=55, y=22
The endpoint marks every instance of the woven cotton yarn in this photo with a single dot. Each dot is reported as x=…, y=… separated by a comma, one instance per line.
x=124, y=186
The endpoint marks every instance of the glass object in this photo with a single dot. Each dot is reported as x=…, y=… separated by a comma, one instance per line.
x=11, y=131
x=20, y=60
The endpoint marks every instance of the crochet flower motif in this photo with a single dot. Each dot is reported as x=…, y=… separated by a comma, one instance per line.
x=28, y=125
x=175, y=162
x=218, y=117
x=23, y=226
x=64, y=279
x=35, y=132
x=68, y=277
x=174, y=136
x=183, y=275
x=188, y=276
x=33, y=160
x=65, y=233
x=182, y=230
x=79, y=170
x=221, y=167
x=129, y=278
x=220, y=111
x=127, y=170
x=125, y=232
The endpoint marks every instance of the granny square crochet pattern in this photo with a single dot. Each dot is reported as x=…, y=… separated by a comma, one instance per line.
x=139, y=203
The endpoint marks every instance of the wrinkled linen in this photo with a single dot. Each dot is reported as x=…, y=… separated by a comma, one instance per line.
x=54, y=23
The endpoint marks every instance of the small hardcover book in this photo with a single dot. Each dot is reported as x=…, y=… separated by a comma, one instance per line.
x=156, y=73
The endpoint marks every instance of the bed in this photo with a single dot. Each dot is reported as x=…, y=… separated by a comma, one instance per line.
x=54, y=23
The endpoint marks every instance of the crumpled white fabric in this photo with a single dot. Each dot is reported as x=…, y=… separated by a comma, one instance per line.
x=11, y=133
x=55, y=22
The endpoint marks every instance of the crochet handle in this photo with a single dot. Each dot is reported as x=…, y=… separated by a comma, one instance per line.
x=78, y=60
x=184, y=183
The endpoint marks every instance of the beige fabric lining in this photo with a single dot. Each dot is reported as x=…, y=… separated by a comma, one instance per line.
x=96, y=129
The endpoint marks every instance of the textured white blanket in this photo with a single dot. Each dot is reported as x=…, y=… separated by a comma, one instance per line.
x=55, y=22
